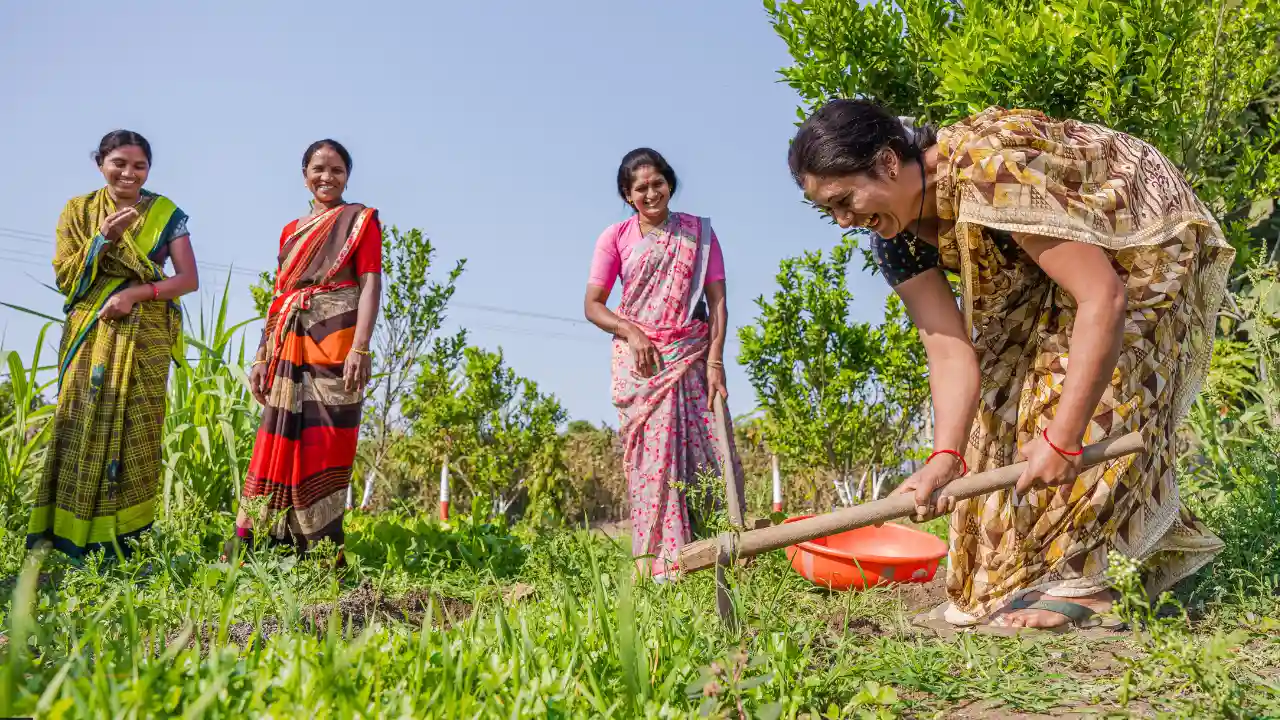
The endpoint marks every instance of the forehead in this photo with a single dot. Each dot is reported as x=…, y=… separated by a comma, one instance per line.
x=128, y=153
x=645, y=174
x=822, y=190
x=327, y=156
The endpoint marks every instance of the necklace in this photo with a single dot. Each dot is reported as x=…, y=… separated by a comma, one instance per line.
x=920, y=214
x=912, y=238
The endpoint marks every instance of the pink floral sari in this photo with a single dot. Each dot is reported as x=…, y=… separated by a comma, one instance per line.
x=667, y=425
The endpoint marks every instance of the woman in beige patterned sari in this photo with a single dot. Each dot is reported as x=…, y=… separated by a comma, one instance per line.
x=1090, y=277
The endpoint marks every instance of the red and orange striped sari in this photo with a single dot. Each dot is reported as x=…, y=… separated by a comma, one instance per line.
x=305, y=447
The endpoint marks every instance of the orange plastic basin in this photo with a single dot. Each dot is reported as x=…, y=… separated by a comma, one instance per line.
x=868, y=556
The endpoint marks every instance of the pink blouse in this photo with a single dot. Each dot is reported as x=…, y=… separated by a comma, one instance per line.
x=615, y=244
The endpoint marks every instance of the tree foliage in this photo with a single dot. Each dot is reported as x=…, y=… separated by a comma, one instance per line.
x=497, y=429
x=837, y=394
x=411, y=317
x=1199, y=79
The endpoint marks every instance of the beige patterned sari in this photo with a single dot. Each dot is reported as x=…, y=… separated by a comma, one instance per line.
x=1019, y=171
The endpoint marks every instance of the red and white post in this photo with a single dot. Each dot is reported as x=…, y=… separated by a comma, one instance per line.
x=777, y=486
x=444, y=490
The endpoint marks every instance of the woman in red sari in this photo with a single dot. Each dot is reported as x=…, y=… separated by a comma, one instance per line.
x=668, y=353
x=313, y=364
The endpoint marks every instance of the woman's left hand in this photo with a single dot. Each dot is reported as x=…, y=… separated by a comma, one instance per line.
x=1046, y=467
x=117, y=306
x=715, y=383
x=356, y=371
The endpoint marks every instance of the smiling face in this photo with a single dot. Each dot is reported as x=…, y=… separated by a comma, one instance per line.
x=326, y=175
x=125, y=170
x=650, y=193
x=883, y=201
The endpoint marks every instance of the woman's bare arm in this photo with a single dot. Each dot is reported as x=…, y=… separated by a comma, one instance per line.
x=185, y=280
x=1097, y=333
x=367, y=311
x=593, y=306
x=953, y=364
x=718, y=319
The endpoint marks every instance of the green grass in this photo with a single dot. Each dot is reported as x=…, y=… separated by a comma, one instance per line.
x=440, y=633
x=477, y=619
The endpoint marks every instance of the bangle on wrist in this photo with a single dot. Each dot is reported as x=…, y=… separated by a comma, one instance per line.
x=1068, y=453
x=964, y=466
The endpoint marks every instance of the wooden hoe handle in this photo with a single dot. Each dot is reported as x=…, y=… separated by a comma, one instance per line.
x=702, y=554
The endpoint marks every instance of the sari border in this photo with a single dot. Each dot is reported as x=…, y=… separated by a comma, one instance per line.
x=159, y=205
x=88, y=273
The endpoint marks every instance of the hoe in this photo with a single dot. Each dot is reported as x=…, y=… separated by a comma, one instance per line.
x=740, y=543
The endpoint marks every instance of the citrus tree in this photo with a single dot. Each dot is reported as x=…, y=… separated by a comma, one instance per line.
x=846, y=396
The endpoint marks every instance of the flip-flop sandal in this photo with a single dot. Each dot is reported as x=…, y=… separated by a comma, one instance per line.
x=1079, y=617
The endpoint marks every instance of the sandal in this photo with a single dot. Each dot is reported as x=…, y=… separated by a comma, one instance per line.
x=1079, y=617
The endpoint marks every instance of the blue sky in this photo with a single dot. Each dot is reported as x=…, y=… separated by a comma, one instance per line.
x=496, y=127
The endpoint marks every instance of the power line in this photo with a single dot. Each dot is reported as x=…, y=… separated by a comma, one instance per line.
x=27, y=236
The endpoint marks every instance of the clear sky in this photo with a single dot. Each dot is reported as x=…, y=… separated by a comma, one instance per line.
x=496, y=127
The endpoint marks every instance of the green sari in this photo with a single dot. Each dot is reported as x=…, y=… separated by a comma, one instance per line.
x=100, y=478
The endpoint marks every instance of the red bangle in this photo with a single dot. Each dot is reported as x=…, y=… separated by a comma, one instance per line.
x=1045, y=434
x=964, y=466
x=155, y=292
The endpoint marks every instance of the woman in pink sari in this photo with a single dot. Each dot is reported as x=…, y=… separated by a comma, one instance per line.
x=668, y=352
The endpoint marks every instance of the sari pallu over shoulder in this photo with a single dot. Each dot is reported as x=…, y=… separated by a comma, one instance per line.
x=89, y=269
x=313, y=260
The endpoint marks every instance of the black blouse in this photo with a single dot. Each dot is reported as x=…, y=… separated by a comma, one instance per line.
x=903, y=257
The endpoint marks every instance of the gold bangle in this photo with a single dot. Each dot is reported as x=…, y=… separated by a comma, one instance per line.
x=359, y=351
x=715, y=363
x=258, y=362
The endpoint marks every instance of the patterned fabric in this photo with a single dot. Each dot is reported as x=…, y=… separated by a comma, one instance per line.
x=99, y=482
x=307, y=441
x=667, y=425
x=1020, y=172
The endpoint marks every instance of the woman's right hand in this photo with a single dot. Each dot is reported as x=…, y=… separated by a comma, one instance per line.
x=258, y=382
x=647, y=358
x=113, y=225
x=936, y=474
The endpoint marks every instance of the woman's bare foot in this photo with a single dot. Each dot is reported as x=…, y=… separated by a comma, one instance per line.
x=1099, y=603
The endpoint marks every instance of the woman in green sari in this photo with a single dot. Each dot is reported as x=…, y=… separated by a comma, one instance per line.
x=123, y=322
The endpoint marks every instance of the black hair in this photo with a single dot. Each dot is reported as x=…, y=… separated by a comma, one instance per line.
x=846, y=137
x=638, y=158
x=331, y=144
x=117, y=139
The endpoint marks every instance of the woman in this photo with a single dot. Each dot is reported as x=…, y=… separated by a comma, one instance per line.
x=668, y=352
x=1069, y=239
x=312, y=367
x=123, y=322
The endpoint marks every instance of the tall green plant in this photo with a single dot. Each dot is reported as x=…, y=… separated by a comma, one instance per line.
x=25, y=425
x=212, y=418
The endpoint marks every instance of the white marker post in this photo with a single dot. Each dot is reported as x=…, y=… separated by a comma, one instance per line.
x=444, y=490
x=777, y=486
